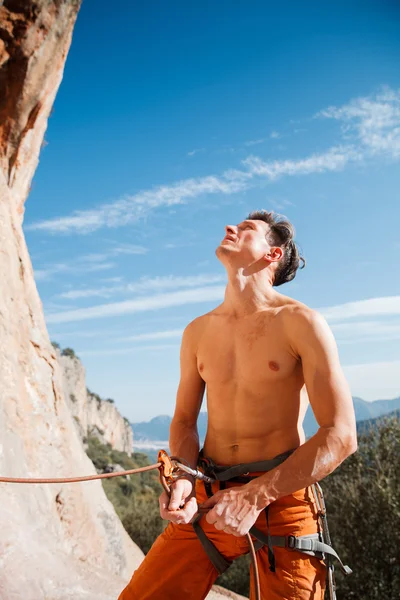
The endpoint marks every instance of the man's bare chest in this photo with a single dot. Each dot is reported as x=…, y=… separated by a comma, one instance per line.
x=253, y=354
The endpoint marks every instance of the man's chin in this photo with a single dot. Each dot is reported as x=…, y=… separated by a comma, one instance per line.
x=222, y=250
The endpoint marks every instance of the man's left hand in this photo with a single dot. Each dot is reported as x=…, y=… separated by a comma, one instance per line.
x=234, y=510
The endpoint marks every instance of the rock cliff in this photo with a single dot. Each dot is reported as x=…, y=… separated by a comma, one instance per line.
x=57, y=541
x=92, y=415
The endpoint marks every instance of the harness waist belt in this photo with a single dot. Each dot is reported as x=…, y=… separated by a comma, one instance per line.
x=313, y=544
x=223, y=473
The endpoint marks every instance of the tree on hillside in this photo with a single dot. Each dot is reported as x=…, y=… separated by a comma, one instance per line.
x=69, y=352
x=363, y=505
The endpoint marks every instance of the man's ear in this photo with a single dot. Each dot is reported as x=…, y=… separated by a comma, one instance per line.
x=274, y=254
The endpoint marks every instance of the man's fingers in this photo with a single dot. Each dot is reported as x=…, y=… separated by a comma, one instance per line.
x=212, y=517
x=210, y=502
x=184, y=515
x=163, y=501
x=176, y=499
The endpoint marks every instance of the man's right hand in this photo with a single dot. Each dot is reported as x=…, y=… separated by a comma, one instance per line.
x=182, y=506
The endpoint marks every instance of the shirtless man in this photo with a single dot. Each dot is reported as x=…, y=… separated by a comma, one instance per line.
x=261, y=356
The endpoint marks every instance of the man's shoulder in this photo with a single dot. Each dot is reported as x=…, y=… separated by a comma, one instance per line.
x=198, y=324
x=296, y=315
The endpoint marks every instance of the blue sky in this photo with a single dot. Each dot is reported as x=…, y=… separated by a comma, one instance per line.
x=175, y=119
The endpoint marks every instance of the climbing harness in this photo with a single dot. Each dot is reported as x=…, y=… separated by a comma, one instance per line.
x=318, y=544
x=172, y=468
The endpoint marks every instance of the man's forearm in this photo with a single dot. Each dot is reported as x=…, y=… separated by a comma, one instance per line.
x=310, y=463
x=184, y=442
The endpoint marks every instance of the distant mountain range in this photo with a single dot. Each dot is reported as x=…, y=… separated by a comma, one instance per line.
x=367, y=424
x=148, y=435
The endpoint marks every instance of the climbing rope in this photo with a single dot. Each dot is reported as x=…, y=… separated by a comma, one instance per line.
x=170, y=469
x=77, y=479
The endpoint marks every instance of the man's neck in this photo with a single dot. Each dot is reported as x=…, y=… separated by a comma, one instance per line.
x=247, y=295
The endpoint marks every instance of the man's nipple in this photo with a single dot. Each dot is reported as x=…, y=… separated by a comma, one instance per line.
x=273, y=365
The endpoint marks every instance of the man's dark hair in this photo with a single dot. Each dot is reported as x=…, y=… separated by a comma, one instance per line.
x=281, y=233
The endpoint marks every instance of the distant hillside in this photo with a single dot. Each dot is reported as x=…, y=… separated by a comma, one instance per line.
x=364, y=410
x=158, y=428
x=367, y=424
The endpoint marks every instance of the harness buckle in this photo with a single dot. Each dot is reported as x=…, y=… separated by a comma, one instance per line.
x=208, y=467
x=291, y=542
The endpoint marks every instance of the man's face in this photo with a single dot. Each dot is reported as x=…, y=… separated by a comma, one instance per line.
x=244, y=244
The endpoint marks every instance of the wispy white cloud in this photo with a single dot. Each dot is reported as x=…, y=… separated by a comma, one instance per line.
x=280, y=203
x=370, y=127
x=373, y=381
x=365, y=321
x=255, y=142
x=274, y=135
x=147, y=303
x=93, y=258
x=112, y=279
x=131, y=208
x=353, y=332
x=196, y=151
x=334, y=159
x=58, y=336
x=146, y=284
x=88, y=263
x=93, y=265
x=154, y=335
x=372, y=122
x=386, y=305
x=123, y=351
x=128, y=249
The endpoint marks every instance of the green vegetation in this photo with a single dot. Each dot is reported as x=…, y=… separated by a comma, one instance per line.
x=237, y=577
x=92, y=429
x=73, y=398
x=363, y=503
x=135, y=498
x=96, y=397
x=68, y=352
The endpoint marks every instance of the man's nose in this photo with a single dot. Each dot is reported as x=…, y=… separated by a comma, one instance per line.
x=231, y=229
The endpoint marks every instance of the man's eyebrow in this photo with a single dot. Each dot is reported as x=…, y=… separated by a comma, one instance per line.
x=248, y=222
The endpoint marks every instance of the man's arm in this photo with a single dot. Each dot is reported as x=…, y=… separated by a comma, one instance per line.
x=313, y=343
x=184, y=438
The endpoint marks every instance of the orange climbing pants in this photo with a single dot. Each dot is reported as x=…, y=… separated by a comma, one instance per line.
x=178, y=568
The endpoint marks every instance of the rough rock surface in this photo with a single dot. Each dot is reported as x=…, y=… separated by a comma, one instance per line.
x=57, y=541
x=91, y=414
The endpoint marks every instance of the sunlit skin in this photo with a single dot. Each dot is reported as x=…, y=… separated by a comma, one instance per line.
x=261, y=356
